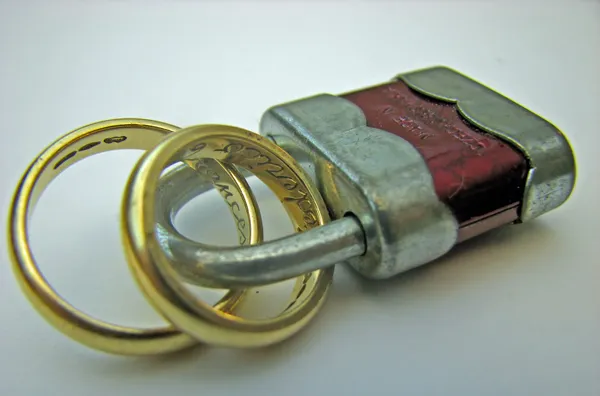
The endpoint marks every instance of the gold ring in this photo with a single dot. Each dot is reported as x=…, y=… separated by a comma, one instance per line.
x=159, y=280
x=64, y=152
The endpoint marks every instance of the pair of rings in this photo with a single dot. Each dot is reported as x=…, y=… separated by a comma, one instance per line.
x=213, y=151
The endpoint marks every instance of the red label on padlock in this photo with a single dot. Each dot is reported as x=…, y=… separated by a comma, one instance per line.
x=477, y=175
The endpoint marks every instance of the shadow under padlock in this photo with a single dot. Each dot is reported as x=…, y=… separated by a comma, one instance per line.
x=467, y=261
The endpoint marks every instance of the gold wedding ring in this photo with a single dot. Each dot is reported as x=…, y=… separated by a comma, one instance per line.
x=160, y=281
x=74, y=146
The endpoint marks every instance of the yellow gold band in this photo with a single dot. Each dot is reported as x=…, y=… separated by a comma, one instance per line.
x=72, y=147
x=160, y=281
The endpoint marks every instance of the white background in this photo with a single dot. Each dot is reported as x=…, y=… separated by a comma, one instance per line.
x=516, y=312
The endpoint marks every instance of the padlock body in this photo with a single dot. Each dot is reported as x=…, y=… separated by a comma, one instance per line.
x=425, y=161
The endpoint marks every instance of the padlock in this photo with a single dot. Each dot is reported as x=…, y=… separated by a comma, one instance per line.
x=408, y=169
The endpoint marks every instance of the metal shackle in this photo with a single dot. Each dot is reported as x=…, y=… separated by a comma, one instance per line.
x=253, y=265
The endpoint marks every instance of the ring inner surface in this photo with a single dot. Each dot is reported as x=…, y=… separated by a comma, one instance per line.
x=271, y=168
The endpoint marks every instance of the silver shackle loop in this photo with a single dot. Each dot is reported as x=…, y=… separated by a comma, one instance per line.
x=247, y=266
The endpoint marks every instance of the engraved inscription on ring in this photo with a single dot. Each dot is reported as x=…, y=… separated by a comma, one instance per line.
x=230, y=198
x=253, y=158
x=88, y=146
